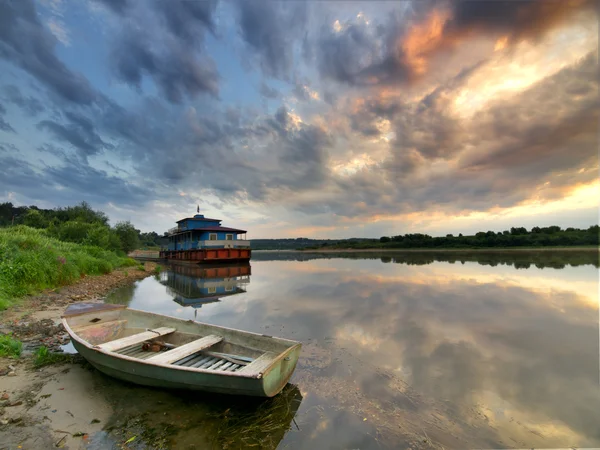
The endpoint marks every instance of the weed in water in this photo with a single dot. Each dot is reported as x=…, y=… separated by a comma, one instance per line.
x=10, y=347
x=44, y=357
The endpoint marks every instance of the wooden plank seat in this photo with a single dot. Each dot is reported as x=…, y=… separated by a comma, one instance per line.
x=118, y=344
x=259, y=365
x=184, y=350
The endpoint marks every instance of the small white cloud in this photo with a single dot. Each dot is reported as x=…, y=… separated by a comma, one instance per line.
x=60, y=31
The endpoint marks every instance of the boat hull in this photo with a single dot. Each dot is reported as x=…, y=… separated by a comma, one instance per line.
x=207, y=256
x=108, y=318
x=155, y=376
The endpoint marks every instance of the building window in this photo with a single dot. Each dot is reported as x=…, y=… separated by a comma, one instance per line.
x=212, y=290
x=212, y=236
x=228, y=288
x=229, y=237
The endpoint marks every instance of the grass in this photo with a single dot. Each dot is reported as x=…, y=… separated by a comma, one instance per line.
x=31, y=260
x=157, y=269
x=9, y=347
x=44, y=357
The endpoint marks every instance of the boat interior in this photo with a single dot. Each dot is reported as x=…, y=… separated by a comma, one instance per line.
x=175, y=342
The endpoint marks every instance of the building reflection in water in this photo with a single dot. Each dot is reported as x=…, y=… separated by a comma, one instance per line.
x=193, y=285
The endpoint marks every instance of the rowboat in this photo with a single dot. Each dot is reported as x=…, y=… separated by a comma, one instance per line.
x=155, y=350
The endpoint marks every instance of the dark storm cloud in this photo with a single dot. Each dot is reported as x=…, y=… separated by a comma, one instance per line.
x=4, y=125
x=70, y=182
x=30, y=105
x=25, y=42
x=80, y=179
x=518, y=19
x=359, y=54
x=178, y=72
x=117, y=6
x=188, y=19
x=79, y=132
x=270, y=30
x=8, y=148
x=268, y=92
x=304, y=157
x=163, y=43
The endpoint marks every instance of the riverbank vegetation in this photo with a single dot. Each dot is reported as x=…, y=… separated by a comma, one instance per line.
x=34, y=259
x=80, y=224
x=517, y=237
x=10, y=347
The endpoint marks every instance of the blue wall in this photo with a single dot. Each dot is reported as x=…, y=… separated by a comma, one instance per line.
x=186, y=244
x=191, y=224
x=195, y=224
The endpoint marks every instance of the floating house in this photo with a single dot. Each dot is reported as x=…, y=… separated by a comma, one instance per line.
x=199, y=239
x=195, y=286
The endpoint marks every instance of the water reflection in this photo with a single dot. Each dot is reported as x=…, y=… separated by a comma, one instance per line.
x=556, y=259
x=166, y=419
x=197, y=285
x=426, y=354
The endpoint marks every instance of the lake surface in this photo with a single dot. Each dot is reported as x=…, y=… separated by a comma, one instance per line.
x=399, y=351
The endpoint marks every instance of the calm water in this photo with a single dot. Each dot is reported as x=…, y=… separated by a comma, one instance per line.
x=413, y=350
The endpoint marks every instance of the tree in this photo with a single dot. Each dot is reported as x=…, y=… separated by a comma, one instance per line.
x=34, y=218
x=384, y=239
x=128, y=236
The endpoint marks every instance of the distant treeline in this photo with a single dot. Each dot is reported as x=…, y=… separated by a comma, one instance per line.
x=556, y=259
x=80, y=224
x=290, y=243
x=552, y=236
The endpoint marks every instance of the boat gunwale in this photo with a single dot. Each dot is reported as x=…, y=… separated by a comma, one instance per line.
x=260, y=375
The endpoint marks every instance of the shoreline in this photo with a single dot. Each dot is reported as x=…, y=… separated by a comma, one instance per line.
x=446, y=250
x=29, y=392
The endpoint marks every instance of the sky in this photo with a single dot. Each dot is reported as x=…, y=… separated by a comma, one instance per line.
x=304, y=118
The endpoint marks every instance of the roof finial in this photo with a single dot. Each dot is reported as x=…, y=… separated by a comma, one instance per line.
x=198, y=209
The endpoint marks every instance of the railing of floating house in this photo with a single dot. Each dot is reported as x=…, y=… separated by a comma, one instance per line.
x=237, y=243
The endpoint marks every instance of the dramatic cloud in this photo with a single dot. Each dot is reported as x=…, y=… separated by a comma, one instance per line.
x=30, y=105
x=79, y=132
x=117, y=6
x=29, y=45
x=175, y=71
x=341, y=117
x=187, y=20
x=4, y=126
x=270, y=29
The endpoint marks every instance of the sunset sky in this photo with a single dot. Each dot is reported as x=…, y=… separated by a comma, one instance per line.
x=304, y=118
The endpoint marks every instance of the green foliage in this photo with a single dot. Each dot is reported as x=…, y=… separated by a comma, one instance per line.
x=9, y=347
x=79, y=224
x=552, y=236
x=44, y=357
x=31, y=260
x=128, y=236
x=129, y=262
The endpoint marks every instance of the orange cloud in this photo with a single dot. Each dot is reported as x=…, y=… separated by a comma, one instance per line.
x=423, y=39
